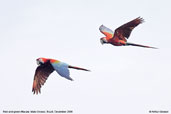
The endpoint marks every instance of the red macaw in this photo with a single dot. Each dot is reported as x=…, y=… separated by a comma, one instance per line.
x=46, y=67
x=119, y=38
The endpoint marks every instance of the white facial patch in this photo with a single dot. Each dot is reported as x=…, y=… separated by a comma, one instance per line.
x=104, y=39
x=41, y=60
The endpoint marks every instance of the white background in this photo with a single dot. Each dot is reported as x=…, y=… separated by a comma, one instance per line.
x=123, y=80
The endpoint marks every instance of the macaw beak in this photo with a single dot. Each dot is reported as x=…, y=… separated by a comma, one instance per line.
x=102, y=42
x=38, y=62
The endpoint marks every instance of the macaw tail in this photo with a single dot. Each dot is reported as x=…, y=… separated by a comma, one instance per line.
x=132, y=44
x=78, y=68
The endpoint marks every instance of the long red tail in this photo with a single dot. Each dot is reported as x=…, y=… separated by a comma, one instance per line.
x=132, y=44
x=78, y=68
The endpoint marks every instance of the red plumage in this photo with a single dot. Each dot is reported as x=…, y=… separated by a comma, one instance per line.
x=122, y=33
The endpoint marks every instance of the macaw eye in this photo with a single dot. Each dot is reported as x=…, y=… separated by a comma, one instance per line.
x=41, y=61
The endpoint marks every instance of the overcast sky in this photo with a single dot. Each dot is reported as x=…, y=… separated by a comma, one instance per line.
x=123, y=80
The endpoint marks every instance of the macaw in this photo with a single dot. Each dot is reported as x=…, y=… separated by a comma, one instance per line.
x=121, y=34
x=46, y=67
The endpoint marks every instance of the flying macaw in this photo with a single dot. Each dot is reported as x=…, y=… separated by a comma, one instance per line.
x=46, y=67
x=119, y=38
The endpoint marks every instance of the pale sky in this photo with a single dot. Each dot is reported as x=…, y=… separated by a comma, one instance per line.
x=123, y=80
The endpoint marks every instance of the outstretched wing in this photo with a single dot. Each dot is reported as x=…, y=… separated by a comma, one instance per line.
x=106, y=31
x=62, y=69
x=41, y=75
x=125, y=30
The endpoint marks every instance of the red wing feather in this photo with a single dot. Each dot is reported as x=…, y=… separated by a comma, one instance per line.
x=126, y=29
x=41, y=74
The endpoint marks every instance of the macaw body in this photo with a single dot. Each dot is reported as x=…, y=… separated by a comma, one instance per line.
x=121, y=34
x=46, y=67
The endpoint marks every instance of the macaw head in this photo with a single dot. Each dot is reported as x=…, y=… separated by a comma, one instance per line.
x=103, y=40
x=41, y=61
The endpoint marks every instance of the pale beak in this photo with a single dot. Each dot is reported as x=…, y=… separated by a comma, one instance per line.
x=38, y=62
x=102, y=42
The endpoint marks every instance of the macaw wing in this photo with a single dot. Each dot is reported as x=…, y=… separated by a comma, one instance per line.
x=106, y=31
x=125, y=30
x=62, y=70
x=41, y=74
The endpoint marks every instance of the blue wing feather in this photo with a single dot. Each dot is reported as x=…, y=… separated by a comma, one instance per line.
x=106, y=31
x=62, y=69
